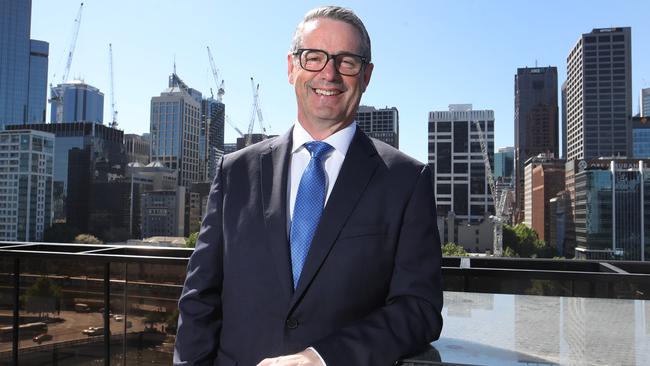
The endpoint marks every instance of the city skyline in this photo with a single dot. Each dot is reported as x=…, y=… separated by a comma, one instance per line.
x=460, y=52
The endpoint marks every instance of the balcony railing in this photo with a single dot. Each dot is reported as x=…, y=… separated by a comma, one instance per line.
x=116, y=305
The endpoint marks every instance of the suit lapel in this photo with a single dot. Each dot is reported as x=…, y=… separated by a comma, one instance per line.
x=357, y=169
x=275, y=163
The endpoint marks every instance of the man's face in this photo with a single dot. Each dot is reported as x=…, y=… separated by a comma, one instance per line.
x=327, y=100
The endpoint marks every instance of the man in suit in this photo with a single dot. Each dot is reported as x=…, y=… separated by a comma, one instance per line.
x=319, y=247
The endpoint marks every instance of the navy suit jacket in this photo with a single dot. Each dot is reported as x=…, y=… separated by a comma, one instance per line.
x=370, y=291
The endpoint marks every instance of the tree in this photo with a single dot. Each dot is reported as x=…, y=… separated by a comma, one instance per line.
x=87, y=239
x=523, y=241
x=60, y=232
x=191, y=241
x=42, y=297
x=453, y=250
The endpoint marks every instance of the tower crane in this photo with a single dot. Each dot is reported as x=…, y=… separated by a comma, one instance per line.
x=256, y=111
x=499, y=204
x=113, y=123
x=215, y=73
x=56, y=95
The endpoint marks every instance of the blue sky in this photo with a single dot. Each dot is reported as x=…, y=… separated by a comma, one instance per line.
x=427, y=54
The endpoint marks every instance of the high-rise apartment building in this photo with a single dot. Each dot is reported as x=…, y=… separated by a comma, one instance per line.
x=175, y=128
x=23, y=66
x=212, y=136
x=81, y=103
x=644, y=102
x=26, y=161
x=599, y=95
x=536, y=120
x=382, y=124
x=457, y=161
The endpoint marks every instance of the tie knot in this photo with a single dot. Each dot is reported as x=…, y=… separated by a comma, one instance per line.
x=317, y=149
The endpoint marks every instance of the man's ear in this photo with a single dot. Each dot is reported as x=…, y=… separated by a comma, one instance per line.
x=367, y=73
x=290, y=68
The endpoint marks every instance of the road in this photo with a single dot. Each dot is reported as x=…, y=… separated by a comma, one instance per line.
x=74, y=322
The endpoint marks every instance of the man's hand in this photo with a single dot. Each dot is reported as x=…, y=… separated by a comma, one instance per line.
x=305, y=358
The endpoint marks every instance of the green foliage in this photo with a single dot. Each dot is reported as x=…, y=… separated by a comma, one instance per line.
x=87, y=239
x=453, y=250
x=524, y=242
x=172, y=322
x=60, y=232
x=191, y=241
x=42, y=297
x=509, y=252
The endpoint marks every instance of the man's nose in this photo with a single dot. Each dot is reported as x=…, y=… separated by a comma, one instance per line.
x=330, y=72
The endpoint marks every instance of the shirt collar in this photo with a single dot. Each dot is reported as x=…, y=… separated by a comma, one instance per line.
x=340, y=140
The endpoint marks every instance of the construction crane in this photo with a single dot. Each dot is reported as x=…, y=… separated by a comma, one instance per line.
x=499, y=204
x=215, y=73
x=232, y=124
x=113, y=123
x=256, y=111
x=56, y=95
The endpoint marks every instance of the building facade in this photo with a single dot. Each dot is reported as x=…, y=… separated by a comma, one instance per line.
x=103, y=149
x=612, y=207
x=175, y=128
x=640, y=137
x=599, y=95
x=212, y=136
x=37, y=91
x=457, y=161
x=163, y=213
x=382, y=124
x=644, y=102
x=26, y=163
x=504, y=164
x=137, y=148
x=23, y=66
x=536, y=120
x=81, y=102
x=543, y=180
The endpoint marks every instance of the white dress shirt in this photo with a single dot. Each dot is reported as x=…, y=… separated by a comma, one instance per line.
x=300, y=157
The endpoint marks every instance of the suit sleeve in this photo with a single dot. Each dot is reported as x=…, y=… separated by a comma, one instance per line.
x=411, y=316
x=200, y=312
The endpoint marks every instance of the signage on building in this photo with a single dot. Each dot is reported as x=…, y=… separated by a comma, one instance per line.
x=619, y=164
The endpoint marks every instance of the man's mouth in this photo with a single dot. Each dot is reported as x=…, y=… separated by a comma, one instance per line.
x=327, y=92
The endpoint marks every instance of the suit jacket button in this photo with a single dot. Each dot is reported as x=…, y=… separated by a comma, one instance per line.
x=292, y=323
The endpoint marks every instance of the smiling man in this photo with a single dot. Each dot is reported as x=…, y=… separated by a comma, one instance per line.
x=319, y=247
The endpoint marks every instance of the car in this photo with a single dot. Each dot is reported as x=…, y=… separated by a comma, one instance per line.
x=118, y=318
x=42, y=338
x=89, y=330
x=96, y=331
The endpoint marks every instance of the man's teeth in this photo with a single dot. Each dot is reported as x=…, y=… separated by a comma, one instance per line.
x=326, y=92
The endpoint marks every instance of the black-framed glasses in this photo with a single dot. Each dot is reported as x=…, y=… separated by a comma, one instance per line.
x=314, y=60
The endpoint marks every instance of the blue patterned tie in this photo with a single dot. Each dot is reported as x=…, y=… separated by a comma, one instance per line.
x=308, y=208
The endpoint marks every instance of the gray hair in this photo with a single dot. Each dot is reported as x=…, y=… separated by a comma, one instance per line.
x=336, y=13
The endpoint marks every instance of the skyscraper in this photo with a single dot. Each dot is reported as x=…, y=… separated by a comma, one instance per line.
x=599, y=95
x=26, y=184
x=382, y=124
x=644, y=102
x=536, y=120
x=212, y=135
x=175, y=127
x=504, y=164
x=457, y=161
x=23, y=66
x=37, y=91
x=81, y=103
